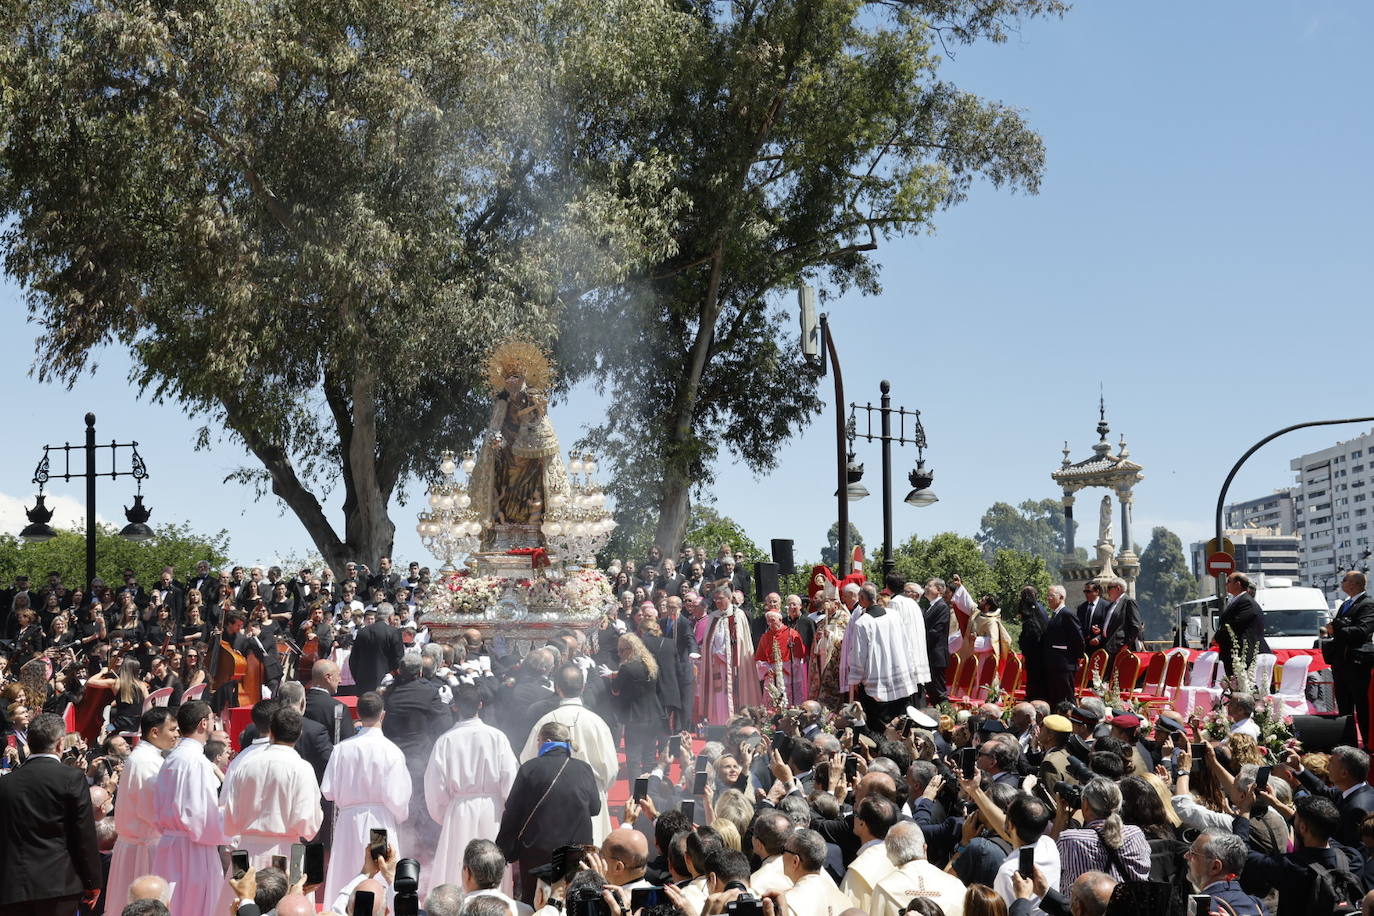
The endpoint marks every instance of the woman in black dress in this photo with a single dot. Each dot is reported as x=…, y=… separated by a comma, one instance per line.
x=636, y=690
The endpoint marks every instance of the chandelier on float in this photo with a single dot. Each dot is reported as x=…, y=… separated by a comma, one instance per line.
x=576, y=526
x=450, y=529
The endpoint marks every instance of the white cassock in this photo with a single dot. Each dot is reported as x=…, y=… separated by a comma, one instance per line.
x=135, y=825
x=815, y=895
x=367, y=780
x=592, y=743
x=186, y=799
x=914, y=626
x=917, y=878
x=869, y=867
x=469, y=775
x=272, y=802
x=770, y=877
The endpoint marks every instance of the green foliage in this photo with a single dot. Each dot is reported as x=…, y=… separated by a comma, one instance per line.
x=1164, y=581
x=797, y=582
x=1035, y=527
x=307, y=223
x=804, y=133
x=709, y=529
x=942, y=556
x=830, y=554
x=172, y=545
x=1013, y=570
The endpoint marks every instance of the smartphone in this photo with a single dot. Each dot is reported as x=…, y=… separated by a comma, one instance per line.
x=701, y=763
x=699, y=783
x=239, y=863
x=968, y=759
x=907, y=728
x=1199, y=904
x=689, y=808
x=376, y=844
x=1195, y=751
x=313, y=866
x=279, y=863
x=297, y=865
x=851, y=767
x=857, y=744
x=642, y=897
x=641, y=788
x=1262, y=779
x=1026, y=865
x=674, y=745
x=363, y=902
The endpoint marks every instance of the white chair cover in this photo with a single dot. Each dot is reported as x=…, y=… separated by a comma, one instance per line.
x=158, y=698
x=1292, y=691
x=1200, y=693
x=1264, y=672
x=195, y=693
x=1157, y=689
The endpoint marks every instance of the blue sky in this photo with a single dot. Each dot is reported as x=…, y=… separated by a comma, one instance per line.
x=1200, y=247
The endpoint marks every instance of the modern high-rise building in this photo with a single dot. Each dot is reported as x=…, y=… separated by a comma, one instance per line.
x=1334, y=506
x=1274, y=511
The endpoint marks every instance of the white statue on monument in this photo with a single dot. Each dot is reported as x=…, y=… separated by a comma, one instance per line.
x=1105, y=548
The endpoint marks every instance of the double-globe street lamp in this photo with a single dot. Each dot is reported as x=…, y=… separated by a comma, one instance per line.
x=817, y=344
x=38, y=529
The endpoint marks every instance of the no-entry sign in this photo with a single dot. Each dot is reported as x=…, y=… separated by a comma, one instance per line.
x=1220, y=564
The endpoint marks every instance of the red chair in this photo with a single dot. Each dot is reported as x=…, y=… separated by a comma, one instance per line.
x=986, y=671
x=962, y=685
x=1013, y=673
x=1160, y=691
x=1097, y=665
x=1126, y=671
x=1080, y=676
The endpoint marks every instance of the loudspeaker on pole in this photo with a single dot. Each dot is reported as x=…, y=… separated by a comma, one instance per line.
x=765, y=579
x=783, y=556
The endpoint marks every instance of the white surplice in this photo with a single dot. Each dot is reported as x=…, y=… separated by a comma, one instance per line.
x=368, y=782
x=770, y=877
x=917, y=878
x=271, y=802
x=815, y=895
x=135, y=825
x=914, y=627
x=186, y=799
x=467, y=779
x=869, y=867
x=592, y=743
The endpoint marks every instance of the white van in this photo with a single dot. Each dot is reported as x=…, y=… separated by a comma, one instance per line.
x=1292, y=613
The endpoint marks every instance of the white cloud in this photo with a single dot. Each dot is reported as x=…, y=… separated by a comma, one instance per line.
x=67, y=512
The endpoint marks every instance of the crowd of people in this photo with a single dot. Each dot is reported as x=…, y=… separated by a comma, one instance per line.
x=690, y=753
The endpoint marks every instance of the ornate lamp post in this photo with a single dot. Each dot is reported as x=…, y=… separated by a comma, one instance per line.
x=921, y=477
x=38, y=529
x=449, y=528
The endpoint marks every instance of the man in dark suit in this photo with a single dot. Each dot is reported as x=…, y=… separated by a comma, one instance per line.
x=1093, y=605
x=49, y=858
x=532, y=683
x=206, y=584
x=796, y=618
x=377, y=650
x=937, y=641
x=320, y=705
x=1346, y=648
x=551, y=804
x=386, y=578
x=1348, y=771
x=313, y=745
x=1116, y=628
x=1240, y=626
x=1062, y=646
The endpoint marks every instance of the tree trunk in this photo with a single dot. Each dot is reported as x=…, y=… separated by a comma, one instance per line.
x=678, y=451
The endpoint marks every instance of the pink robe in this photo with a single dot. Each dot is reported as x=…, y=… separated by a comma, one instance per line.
x=728, y=684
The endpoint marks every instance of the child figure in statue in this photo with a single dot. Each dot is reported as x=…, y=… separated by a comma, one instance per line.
x=518, y=466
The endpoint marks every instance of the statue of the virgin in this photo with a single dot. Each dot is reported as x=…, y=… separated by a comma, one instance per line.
x=518, y=465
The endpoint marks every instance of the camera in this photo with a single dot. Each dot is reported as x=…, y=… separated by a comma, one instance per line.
x=1069, y=793
x=587, y=901
x=745, y=904
x=407, y=887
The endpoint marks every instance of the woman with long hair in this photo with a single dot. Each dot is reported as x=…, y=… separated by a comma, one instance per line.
x=981, y=900
x=29, y=642
x=194, y=627
x=1145, y=804
x=192, y=668
x=1104, y=843
x=129, y=693
x=635, y=687
x=126, y=622
x=825, y=655
x=1034, y=621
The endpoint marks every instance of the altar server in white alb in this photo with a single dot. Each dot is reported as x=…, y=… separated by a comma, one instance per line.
x=592, y=742
x=188, y=814
x=275, y=800
x=368, y=782
x=469, y=775
x=136, y=815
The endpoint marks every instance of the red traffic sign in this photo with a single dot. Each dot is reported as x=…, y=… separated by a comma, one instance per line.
x=1221, y=564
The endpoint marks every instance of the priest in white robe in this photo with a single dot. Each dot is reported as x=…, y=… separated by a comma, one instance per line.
x=592, y=741
x=728, y=679
x=914, y=876
x=275, y=800
x=368, y=782
x=813, y=892
x=470, y=773
x=186, y=799
x=136, y=814
x=913, y=626
x=873, y=817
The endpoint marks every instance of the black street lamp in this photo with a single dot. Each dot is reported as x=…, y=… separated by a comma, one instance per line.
x=38, y=529
x=921, y=477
